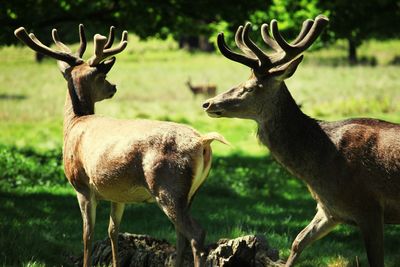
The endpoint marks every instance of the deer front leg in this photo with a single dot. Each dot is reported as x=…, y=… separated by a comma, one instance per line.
x=87, y=204
x=117, y=210
x=320, y=225
x=371, y=228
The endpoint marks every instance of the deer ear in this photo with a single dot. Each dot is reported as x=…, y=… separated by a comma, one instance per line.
x=63, y=66
x=286, y=71
x=105, y=66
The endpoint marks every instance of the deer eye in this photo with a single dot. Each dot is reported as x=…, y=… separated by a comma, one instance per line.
x=249, y=89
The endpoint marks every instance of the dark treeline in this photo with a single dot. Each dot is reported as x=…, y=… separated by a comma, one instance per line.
x=193, y=23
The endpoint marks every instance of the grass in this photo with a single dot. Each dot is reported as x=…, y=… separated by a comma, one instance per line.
x=248, y=191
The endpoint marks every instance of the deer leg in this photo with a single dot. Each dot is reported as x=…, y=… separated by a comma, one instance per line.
x=117, y=210
x=181, y=245
x=196, y=235
x=372, y=232
x=182, y=242
x=87, y=204
x=177, y=212
x=320, y=225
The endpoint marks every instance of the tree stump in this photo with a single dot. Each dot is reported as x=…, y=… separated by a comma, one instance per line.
x=146, y=251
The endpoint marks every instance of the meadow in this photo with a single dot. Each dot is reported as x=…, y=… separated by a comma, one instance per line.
x=247, y=192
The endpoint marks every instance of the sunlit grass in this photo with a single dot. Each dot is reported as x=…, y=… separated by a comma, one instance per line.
x=248, y=191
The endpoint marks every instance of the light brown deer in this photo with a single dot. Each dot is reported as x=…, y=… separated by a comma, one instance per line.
x=125, y=161
x=351, y=167
x=202, y=89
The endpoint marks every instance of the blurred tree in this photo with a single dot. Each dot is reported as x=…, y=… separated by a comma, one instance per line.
x=357, y=21
x=160, y=18
x=290, y=15
x=184, y=19
x=40, y=16
x=196, y=21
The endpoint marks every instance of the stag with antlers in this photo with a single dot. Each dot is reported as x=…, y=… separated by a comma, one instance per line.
x=125, y=161
x=351, y=167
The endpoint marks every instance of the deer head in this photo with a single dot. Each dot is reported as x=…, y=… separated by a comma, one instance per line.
x=248, y=100
x=86, y=79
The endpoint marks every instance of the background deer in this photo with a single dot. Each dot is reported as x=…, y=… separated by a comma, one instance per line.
x=202, y=89
x=351, y=167
x=124, y=161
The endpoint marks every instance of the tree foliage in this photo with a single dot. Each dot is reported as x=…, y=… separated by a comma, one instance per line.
x=357, y=21
x=352, y=20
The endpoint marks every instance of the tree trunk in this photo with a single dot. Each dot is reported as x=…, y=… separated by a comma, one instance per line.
x=39, y=57
x=352, y=51
x=195, y=42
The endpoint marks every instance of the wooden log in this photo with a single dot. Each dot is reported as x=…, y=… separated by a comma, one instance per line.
x=146, y=251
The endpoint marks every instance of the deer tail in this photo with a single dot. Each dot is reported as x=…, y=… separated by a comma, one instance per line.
x=209, y=137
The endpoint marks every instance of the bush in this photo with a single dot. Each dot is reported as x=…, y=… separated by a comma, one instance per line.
x=27, y=167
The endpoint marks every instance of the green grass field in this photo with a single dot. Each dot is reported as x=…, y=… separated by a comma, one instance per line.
x=247, y=192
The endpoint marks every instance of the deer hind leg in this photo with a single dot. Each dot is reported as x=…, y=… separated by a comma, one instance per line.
x=371, y=228
x=117, y=210
x=87, y=204
x=181, y=245
x=192, y=231
x=186, y=227
x=320, y=225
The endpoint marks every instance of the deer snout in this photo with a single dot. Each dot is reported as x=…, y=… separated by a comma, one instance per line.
x=212, y=108
x=206, y=105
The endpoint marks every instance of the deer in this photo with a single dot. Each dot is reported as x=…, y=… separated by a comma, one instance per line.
x=124, y=161
x=204, y=89
x=351, y=167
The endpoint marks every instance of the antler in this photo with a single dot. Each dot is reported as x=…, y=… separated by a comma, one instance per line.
x=256, y=59
x=65, y=55
x=102, y=46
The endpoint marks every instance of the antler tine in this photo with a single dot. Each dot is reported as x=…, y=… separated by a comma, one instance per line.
x=32, y=42
x=99, y=43
x=82, y=41
x=57, y=41
x=111, y=35
x=122, y=45
x=227, y=52
x=308, y=34
x=241, y=45
x=320, y=22
x=268, y=39
x=307, y=24
x=264, y=59
x=278, y=37
x=100, y=53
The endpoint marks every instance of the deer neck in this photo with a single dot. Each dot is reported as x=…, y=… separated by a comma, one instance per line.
x=289, y=134
x=75, y=107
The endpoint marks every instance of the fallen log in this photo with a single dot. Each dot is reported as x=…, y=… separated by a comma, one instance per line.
x=146, y=251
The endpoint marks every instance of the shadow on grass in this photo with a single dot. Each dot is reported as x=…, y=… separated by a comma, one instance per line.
x=243, y=195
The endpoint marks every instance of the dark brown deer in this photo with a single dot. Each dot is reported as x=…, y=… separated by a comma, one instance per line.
x=202, y=89
x=125, y=161
x=351, y=167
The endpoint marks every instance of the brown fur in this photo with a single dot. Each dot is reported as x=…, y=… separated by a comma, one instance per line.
x=127, y=161
x=132, y=161
x=351, y=167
